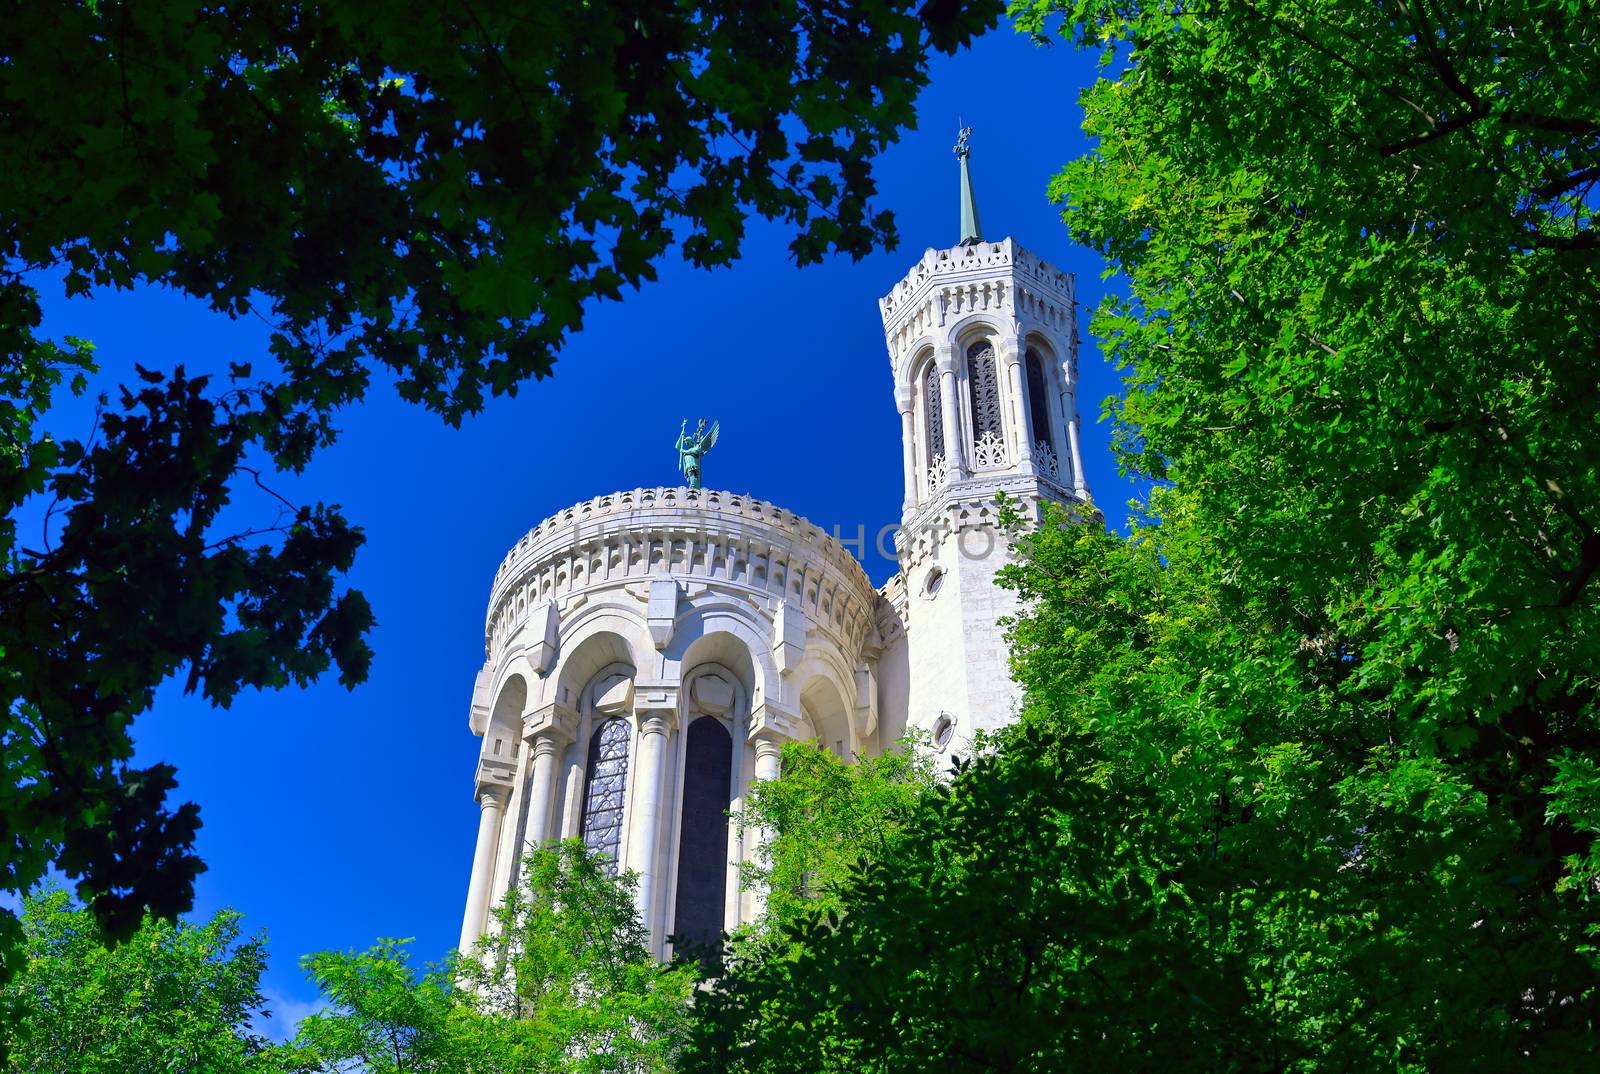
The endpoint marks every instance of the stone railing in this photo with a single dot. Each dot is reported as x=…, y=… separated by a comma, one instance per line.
x=722, y=538
x=987, y=258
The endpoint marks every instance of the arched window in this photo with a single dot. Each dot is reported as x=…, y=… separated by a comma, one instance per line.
x=933, y=413
x=703, y=835
x=604, y=787
x=1038, y=402
x=988, y=437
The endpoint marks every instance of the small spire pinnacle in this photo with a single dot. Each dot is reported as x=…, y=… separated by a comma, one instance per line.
x=971, y=233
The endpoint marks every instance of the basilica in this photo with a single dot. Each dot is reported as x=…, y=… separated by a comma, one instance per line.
x=648, y=652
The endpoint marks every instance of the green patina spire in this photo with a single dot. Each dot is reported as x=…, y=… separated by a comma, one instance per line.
x=971, y=232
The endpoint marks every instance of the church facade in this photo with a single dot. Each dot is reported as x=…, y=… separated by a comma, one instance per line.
x=648, y=653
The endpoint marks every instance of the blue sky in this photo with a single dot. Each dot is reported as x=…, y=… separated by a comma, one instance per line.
x=334, y=817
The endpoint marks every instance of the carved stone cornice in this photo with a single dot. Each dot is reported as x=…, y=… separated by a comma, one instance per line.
x=768, y=720
x=554, y=723
x=971, y=506
x=495, y=775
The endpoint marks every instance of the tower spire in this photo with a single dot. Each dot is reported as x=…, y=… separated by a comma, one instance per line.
x=971, y=232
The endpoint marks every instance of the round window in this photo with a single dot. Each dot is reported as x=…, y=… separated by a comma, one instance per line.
x=934, y=580
x=943, y=728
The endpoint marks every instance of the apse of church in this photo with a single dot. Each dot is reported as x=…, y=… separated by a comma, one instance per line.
x=649, y=652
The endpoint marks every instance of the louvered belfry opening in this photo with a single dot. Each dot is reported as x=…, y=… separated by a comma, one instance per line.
x=933, y=413
x=1038, y=401
x=703, y=836
x=984, y=384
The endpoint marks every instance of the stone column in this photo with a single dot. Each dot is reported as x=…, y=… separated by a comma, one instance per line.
x=908, y=445
x=769, y=752
x=950, y=406
x=1069, y=423
x=736, y=803
x=1011, y=354
x=491, y=803
x=545, y=732
x=542, y=791
x=1080, y=487
x=645, y=827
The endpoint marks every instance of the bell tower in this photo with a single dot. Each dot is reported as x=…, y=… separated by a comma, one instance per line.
x=983, y=345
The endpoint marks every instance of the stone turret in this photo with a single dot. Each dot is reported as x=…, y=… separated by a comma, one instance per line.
x=983, y=353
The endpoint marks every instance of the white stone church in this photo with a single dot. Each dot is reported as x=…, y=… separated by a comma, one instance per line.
x=647, y=653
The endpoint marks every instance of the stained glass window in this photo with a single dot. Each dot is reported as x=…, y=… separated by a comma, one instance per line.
x=604, y=787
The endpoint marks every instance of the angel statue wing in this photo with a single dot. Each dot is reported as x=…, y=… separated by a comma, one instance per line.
x=711, y=437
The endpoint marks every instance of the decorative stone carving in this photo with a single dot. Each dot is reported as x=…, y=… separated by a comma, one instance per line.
x=989, y=453
x=938, y=474
x=1044, y=457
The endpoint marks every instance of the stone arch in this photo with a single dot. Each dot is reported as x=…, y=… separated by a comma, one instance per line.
x=726, y=633
x=912, y=357
x=602, y=634
x=826, y=707
x=501, y=737
x=973, y=327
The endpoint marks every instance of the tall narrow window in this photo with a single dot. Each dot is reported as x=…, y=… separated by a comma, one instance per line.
x=988, y=437
x=933, y=413
x=1038, y=402
x=985, y=388
x=1045, y=458
x=604, y=787
x=703, y=836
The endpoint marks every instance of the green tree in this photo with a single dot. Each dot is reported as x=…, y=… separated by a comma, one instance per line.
x=438, y=193
x=1306, y=776
x=172, y=997
x=819, y=820
x=565, y=983
x=385, y=1016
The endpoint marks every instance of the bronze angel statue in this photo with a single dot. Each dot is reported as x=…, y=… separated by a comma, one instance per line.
x=691, y=446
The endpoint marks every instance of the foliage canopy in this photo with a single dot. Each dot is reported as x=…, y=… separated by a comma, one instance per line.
x=437, y=194
x=1306, y=776
x=564, y=984
x=174, y=997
